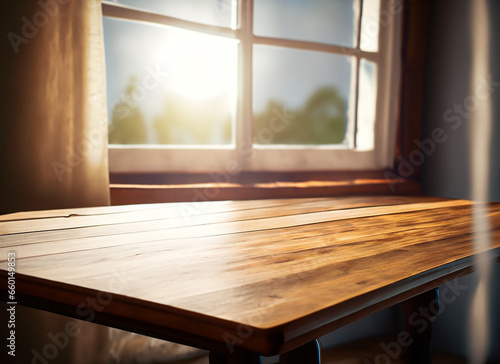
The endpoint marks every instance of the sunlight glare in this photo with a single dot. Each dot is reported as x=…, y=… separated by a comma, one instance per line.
x=201, y=67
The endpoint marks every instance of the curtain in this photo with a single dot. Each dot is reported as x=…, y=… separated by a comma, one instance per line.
x=53, y=142
x=53, y=129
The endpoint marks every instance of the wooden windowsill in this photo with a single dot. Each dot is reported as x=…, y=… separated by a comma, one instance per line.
x=200, y=188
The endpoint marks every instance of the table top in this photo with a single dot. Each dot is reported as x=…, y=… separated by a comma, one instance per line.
x=265, y=275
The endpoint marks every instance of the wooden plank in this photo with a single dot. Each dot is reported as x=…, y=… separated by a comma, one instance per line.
x=42, y=214
x=185, y=214
x=242, y=178
x=132, y=194
x=97, y=216
x=204, y=226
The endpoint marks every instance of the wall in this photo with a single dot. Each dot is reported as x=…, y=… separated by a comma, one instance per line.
x=446, y=172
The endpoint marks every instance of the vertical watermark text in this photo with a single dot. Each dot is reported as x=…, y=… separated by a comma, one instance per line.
x=11, y=304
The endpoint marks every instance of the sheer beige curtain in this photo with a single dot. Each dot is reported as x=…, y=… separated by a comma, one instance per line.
x=53, y=141
x=53, y=106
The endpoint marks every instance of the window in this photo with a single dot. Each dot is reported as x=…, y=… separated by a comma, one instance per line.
x=254, y=85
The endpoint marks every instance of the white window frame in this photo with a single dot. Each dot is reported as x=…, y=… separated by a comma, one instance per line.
x=243, y=155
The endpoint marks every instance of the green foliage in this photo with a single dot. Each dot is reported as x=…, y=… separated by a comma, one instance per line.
x=321, y=120
x=127, y=122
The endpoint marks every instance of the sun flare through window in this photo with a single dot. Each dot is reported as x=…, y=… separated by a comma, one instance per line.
x=278, y=85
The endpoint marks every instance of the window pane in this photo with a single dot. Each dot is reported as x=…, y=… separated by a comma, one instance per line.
x=300, y=96
x=324, y=21
x=169, y=86
x=211, y=12
x=370, y=25
x=366, y=105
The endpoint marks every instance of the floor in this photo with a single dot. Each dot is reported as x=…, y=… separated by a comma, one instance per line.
x=370, y=351
x=367, y=351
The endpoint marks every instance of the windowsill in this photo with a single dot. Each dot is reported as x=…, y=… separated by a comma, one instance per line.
x=137, y=189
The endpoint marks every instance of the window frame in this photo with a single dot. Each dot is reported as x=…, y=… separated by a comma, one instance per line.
x=243, y=155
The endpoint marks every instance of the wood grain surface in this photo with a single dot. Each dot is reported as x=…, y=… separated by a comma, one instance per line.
x=265, y=276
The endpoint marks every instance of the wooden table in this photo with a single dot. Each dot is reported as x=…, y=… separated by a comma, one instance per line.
x=241, y=279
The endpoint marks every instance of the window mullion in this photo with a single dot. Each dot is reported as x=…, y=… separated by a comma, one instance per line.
x=244, y=123
x=120, y=11
x=313, y=46
x=358, y=25
x=356, y=102
x=356, y=75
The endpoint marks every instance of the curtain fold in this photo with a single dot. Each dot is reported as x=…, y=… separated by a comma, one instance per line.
x=53, y=143
x=53, y=106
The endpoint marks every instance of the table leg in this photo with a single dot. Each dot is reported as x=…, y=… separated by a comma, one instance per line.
x=309, y=353
x=237, y=357
x=420, y=312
